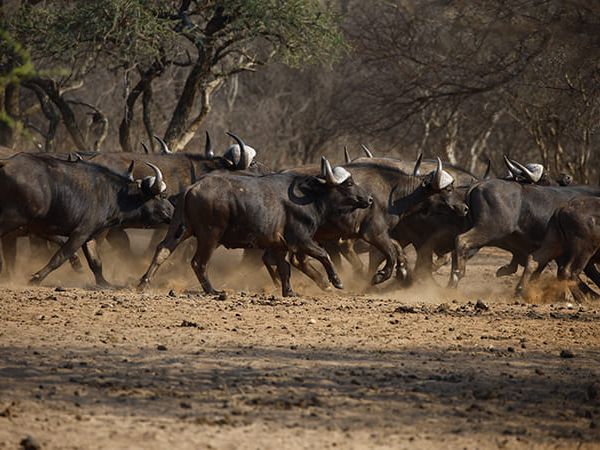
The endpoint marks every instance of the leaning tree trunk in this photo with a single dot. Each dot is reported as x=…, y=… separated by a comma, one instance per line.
x=67, y=114
x=197, y=82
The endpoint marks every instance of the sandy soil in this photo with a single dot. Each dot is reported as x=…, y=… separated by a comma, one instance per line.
x=390, y=368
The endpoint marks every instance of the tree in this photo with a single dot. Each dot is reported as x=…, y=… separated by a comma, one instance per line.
x=207, y=40
x=15, y=66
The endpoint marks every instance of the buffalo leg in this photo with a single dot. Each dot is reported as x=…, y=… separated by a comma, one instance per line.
x=384, y=244
x=333, y=249
x=440, y=262
x=592, y=273
x=403, y=273
x=90, y=250
x=525, y=277
x=581, y=262
x=283, y=269
x=73, y=260
x=163, y=251
x=269, y=260
x=204, y=251
x=375, y=259
x=424, y=264
x=65, y=252
x=473, y=239
x=9, y=251
x=584, y=289
x=311, y=248
x=508, y=269
x=300, y=262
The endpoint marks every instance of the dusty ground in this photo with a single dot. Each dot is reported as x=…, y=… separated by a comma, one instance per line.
x=423, y=368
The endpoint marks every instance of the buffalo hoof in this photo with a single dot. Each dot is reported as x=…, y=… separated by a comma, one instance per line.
x=379, y=277
x=143, y=284
x=221, y=294
x=337, y=283
x=519, y=292
x=103, y=284
x=35, y=280
x=401, y=273
x=505, y=271
x=289, y=293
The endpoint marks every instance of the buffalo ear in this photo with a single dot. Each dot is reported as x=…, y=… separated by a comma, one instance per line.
x=311, y=184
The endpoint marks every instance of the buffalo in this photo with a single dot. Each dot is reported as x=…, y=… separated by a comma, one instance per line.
x=512, y=216
x=50, y=197
x=278, y=212
x=572, y=239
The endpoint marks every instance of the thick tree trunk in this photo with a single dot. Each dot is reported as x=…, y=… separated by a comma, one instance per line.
x=50, y=113
x=147, y=117
x=10, y=107
x=142, y=86
x=177, y=134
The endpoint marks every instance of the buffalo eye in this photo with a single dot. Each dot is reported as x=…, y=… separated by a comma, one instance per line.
x=349, y=183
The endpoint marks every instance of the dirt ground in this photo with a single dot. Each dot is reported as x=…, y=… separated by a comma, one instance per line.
x=386, y=368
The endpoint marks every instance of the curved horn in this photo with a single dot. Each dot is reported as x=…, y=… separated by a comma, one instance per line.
x=163, y=145
x=511, y=167
x=323, y=171
x=329, y=177
x=208, y=151
x=145, y=148
x=159, y=185
x=129, y=173
x=347, y=155
x=244, y=163
x=416, y=170
x=367, y=151
x=437, y=175
x=488, y=169
x=525, y=171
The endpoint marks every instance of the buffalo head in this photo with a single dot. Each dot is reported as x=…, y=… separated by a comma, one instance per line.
x=147, y=198
x=240, y=155
x=333, y=187
x=341, y=189
x=438, y=179
x=530, y=173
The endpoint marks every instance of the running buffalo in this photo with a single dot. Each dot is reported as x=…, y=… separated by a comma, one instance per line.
x=49, y=197
x=511, y=216
x=572, y=239
x=276, y=212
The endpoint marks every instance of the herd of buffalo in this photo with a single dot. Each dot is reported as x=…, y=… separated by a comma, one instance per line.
x=290, y=217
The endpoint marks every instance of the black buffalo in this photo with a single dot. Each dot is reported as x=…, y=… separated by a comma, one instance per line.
x=49, y=197
x=279, y=212
x=395, y=192
x=511, y=216
x=572, y=239
x=181, y=169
